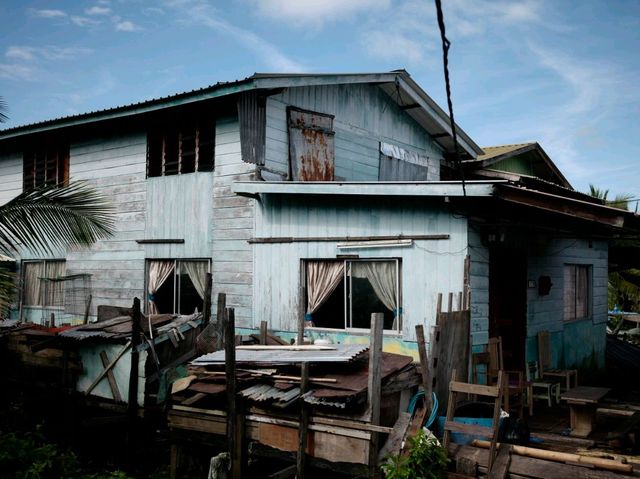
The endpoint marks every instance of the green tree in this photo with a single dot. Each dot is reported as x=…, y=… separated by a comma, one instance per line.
x=48, y=219
x=624, y=282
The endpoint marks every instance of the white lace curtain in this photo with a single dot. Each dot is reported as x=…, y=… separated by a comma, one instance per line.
x=197, y=271
x=322, y=278
x=382, y=276
x=31, y=287
x=159, y=271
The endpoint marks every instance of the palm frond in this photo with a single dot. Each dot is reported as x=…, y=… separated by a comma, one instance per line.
x=3, y=110
x=49, y=218
x=7, y=290
x=597, y=192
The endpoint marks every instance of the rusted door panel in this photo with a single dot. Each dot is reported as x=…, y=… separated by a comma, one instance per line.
x=311, y=146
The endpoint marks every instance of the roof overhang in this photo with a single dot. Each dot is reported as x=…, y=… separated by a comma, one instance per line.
x=487, y=160
x=569, y=207
x=397, y=84
x=362, y=188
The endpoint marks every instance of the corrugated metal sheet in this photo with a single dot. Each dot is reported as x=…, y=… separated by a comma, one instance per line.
x=311, y=145
x=341, y=353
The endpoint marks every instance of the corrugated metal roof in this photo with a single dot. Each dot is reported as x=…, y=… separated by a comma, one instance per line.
x=493, y=151
x=422, y=107
x=341, y=353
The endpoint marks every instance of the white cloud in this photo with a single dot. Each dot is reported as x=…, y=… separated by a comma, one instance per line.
x=16, y=71
x=315, y=12
x=51, y=53
x=20, y=53
x=84, y=21
x=47, y=13
x=201, y=13
x=127, y=26
x=97, y=10
x=397, y=47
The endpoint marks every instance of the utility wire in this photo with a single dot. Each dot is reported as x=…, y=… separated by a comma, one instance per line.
x=445, y=60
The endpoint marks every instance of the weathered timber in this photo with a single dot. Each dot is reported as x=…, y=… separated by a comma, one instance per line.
x=304, y=422
x=113, y=384
x=374, y=390
x=598, y=462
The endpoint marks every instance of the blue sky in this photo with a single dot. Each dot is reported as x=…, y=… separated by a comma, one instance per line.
x=564, y=73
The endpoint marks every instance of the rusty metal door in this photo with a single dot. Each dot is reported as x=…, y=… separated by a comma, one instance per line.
x=311, y=145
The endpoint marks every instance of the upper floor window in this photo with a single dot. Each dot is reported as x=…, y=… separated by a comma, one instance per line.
x=181, y=147
x=46, y=166
x=577, y=291
x=311, y=145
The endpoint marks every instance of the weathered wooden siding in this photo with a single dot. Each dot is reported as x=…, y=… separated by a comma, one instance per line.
x=364, y=116
x=10, y=176
x=577, y=342
x=179, y=207
x=232, y=224
x=115, y=165
x=479, y=283
x=92, y=367
x=428, y=266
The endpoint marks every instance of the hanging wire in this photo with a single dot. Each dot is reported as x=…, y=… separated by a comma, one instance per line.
x=446, y=44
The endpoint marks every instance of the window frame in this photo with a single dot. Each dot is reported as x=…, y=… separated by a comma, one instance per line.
x=348, y=298
x=176, y=274
x=59, y=153
x=44, y=262
x=165, y=133
x=588, y=290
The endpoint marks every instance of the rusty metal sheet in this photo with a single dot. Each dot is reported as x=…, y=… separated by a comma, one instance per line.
x=208, y=388
x=311, y=145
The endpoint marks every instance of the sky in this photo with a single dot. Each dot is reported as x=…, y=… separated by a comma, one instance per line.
x=565, y=73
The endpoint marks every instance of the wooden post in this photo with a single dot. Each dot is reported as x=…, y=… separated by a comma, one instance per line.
x=235, y=445
x=132, y=406
x=87, y=310
x=375, y=388
x=220, y=321
x=304, y=422
x=263, y=332
x=52, y=320
x=206, y=313
x=424, y=368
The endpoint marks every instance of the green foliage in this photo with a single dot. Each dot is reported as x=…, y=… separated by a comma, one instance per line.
x=30, y=457
x=427, y=459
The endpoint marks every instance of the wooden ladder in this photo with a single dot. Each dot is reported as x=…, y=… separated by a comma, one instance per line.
x=495, y=392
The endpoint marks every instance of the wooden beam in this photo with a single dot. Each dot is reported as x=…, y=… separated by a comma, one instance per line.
x=500, y=466
x=424, y=367
x=319, y=239
x=108, y=368
x=303, y=424
x=206, y=313
x=263, y=333
x=235, y=446
x=374, y=388
x=132, y=406
x=115, y=392
x=220, y=321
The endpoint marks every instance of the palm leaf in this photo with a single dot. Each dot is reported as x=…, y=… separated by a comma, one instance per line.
x=50, y=218
x=3, y=110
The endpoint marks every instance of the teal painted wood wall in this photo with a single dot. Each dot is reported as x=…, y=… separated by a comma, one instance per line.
x=428, y=267
x=364, y=116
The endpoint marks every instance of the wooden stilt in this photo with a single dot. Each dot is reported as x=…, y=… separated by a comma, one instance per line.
x=375, y=389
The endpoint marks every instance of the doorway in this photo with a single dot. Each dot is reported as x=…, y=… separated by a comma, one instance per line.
x=508, y=304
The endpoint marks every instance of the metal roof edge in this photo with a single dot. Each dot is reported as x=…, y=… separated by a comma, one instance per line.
x=185, y=98
x=366, y=188
x=439, y=114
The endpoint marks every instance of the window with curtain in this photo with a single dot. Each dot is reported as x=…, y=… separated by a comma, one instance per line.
x=36, y=290
x=176, y=286
x=342, y=294
x=577, y=291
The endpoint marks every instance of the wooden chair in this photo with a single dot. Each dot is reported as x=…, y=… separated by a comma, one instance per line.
x=515, y=385
x=450, y=426
x=542, y=388
x=544, y=363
